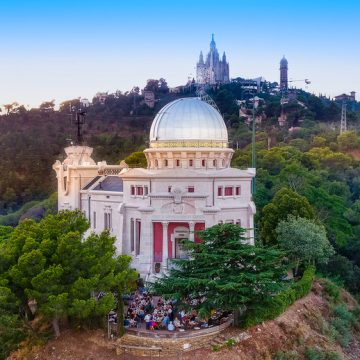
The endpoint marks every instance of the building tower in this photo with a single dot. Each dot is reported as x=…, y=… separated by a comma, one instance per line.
x=214, y=70
x=283, y=74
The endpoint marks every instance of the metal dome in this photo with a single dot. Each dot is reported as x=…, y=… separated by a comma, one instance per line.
x=188, y=122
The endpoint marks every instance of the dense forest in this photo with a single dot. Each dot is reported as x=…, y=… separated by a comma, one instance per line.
x=311, y=160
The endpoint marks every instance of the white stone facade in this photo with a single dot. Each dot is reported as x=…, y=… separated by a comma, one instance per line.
x=188, y=186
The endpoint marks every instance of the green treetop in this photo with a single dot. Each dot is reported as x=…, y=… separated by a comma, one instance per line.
x=285, y=202
x=224, y=270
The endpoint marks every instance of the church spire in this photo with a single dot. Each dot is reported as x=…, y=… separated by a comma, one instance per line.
x=224, y=57
x=212, y=43
x=201, y=58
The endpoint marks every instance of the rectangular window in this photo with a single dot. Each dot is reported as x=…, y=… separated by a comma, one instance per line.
x=203, y=163
x=191, y=162
x=238, y=222
x=132, y=237
x=139, y=190
x=94, y=220
x=107, y=221
x=132, y=191
x=191, y=189
x=146, y=190
x=169, y=188
x=238, y=190
x=177, y=162
x=220, y=191
x=228, y=190
x=138, y=236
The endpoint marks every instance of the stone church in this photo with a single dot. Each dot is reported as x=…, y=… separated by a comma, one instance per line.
x=212, y=71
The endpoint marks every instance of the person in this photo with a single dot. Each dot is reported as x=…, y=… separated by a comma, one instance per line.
x=171, y=326
x=177, y=322
x=153, y=325
x=148, y=321
x=138, y=321
x=165, y=321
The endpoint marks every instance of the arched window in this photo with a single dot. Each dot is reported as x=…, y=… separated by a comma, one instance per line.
x=166, y=162
x=191, y=162
x=214, y=163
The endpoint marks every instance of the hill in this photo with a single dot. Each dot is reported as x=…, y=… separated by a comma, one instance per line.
x=312, y=328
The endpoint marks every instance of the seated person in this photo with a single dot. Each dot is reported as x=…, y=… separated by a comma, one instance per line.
x=148, y=321
x=177, y=322
x=171, y=326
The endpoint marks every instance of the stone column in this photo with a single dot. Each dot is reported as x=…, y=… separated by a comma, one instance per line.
x=191, y=231
x=165, y=253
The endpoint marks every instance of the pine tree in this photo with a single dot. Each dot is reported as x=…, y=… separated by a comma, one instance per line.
x=224, y=271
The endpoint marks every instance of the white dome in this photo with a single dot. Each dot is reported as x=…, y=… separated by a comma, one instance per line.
x=188, y=122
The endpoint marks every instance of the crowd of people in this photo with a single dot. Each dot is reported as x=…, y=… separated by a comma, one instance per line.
x=156, y=313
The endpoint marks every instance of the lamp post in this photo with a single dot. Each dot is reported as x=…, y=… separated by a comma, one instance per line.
x=256, y=101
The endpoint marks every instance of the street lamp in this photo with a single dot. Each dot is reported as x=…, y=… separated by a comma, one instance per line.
x=255, y=101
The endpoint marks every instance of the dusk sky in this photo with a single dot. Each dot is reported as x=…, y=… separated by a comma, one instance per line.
x=66, y=49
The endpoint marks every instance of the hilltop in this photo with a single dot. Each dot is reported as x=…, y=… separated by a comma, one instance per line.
x=306, y=328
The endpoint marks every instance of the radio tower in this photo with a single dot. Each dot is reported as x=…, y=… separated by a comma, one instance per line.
x=343, y=125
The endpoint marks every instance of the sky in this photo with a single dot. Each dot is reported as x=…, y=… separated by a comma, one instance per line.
x=62, y=49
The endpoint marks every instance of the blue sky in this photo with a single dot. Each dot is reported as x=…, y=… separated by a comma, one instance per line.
x=65, y=49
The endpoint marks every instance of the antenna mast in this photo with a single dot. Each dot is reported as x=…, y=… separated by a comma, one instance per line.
x=343, y=123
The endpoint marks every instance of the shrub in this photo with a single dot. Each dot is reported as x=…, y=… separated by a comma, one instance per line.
x=281, y=355
x=316, y=354
x=332, y=290
x=279, y=303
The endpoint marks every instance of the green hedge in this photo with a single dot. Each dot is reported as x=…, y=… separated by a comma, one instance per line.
x=278, y=304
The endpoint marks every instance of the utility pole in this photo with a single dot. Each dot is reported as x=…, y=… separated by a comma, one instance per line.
x=343, y=124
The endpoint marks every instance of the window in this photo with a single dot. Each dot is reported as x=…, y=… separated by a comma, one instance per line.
x=203, y=163
x=94, y=220
x=139, y=190
x=137, y=238
x=169, y=189
x=223, y=163
x=191, y=189
x=228, y=190
x=132, y=190
x=191, y=162
x=238, y=222
x=156, y=163
x=177, y=162
x=166, y=163
x=214, y=163
x=146, y=190
x=132, y=237
x=220, y=191
x=107, y=221
x=238, y=190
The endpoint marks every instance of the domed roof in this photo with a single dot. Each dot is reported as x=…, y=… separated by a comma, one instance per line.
x=188, y=122
x=283, y=61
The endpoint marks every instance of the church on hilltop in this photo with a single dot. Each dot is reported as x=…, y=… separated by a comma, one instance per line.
x=188, y=185
x=212, y=71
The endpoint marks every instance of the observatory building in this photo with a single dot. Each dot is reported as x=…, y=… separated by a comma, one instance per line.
x=188, y=185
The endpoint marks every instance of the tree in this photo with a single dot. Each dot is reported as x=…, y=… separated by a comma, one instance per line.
x=285, y=202
x=136, y=159
x=52, y=263
x=304, y=241
x=224, y=271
